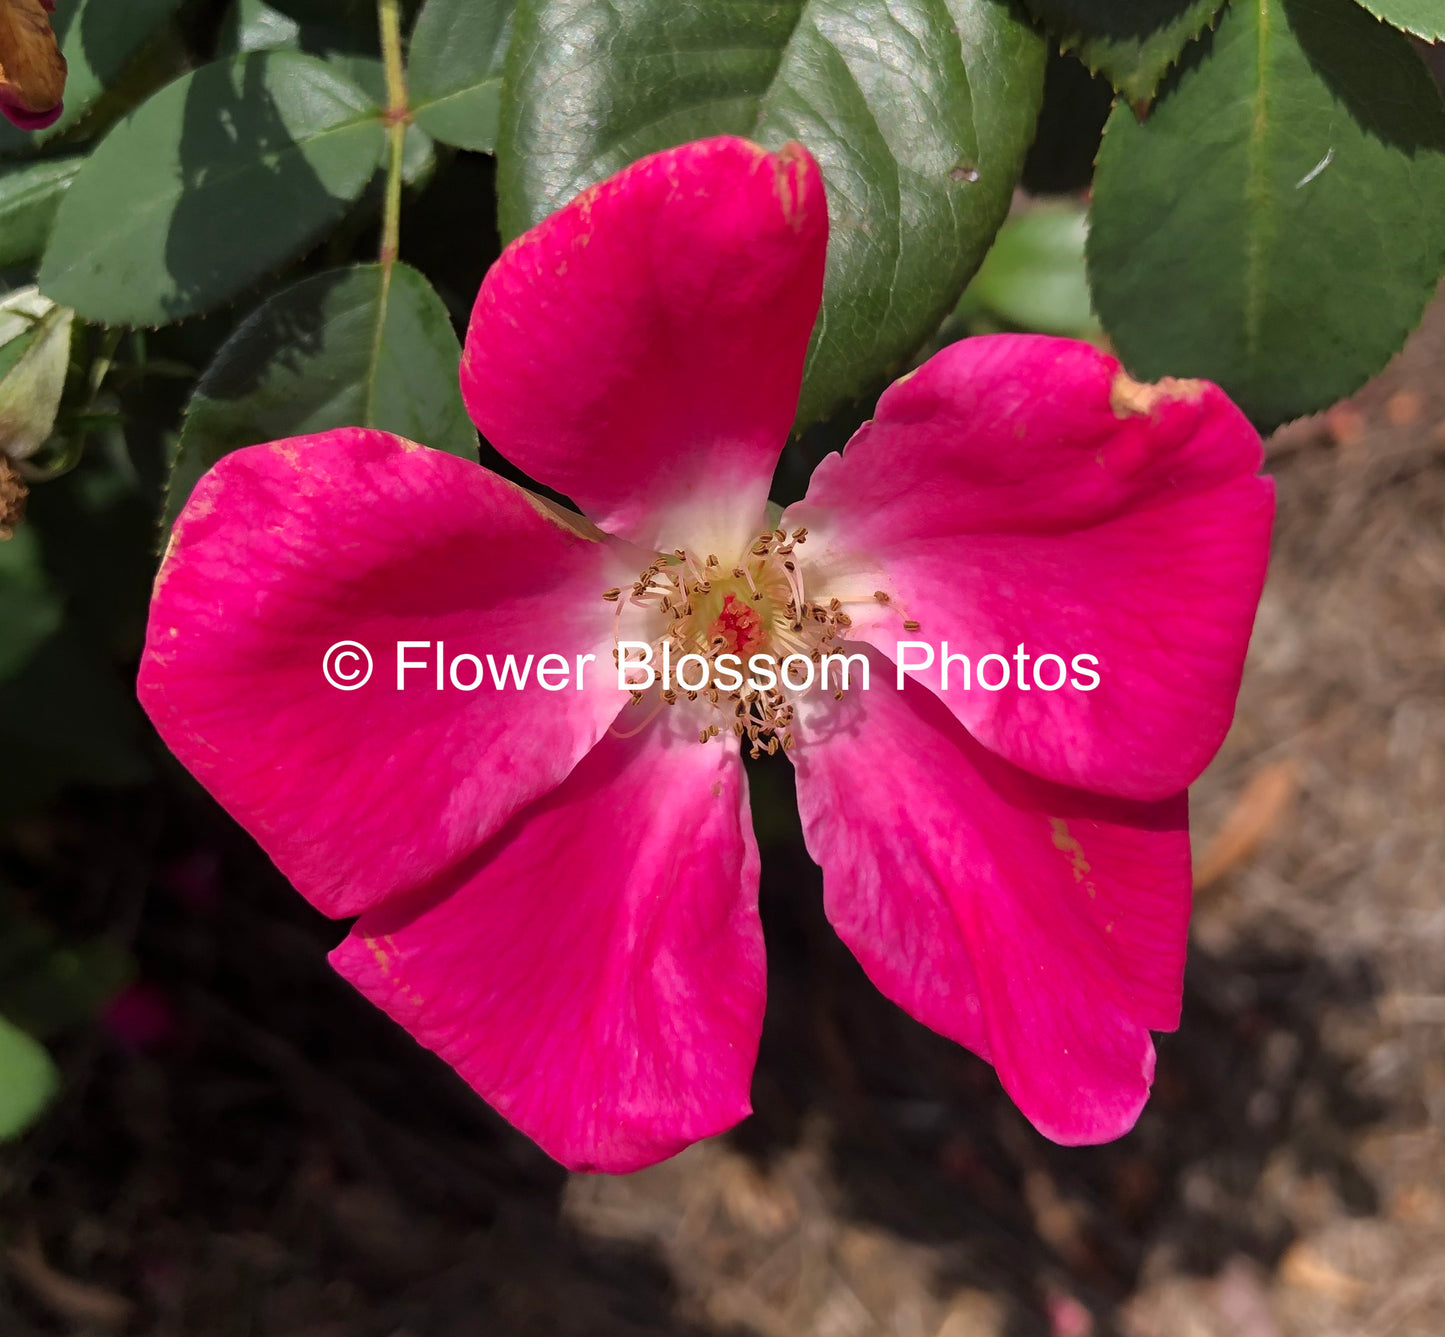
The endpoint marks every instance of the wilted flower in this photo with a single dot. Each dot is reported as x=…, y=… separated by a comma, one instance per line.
x=32, y=70
x=558, y=885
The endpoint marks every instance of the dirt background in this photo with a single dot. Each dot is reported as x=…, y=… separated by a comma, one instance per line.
x=247, y=1148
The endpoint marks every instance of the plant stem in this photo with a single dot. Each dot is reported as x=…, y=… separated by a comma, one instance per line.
x=395, y=118
x=100, y=367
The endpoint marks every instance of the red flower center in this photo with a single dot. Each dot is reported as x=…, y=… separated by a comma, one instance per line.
x=739, y=627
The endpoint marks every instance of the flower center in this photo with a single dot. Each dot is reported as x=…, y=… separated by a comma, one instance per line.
x=747, y=630
x=737, y=628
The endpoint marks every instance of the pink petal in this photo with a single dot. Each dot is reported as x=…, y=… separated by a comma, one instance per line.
x=287, y=548
x=641, y=350
x=1042, y=927
x=1019, y=490
x=597, y=973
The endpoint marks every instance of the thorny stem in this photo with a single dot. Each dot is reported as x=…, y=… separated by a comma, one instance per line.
x=395, y=119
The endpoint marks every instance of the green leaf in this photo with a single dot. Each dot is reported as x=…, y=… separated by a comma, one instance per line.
x=319, y=27
x=254, y=25
x=99, y=39
x=1424, y=18
x=29, y=195
x=221, y=176
x=1033, y=277
x=28, y=1080
x=918, y=111
x=340, y=349
x=454, y=69
x=1274, y=225
x=1132, y=43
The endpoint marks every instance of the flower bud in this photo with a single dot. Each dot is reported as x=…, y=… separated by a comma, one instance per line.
x=34, y=358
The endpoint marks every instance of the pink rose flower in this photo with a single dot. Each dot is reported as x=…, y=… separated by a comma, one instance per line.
x=557, y=889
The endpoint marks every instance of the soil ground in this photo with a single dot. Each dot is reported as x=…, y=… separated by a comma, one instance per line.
x=258, y=1152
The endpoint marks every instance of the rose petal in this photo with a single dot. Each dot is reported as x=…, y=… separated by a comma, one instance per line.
x=287, y=548
x=597, y=973
x=1019, y=490
x=641, y=350
x=1042, y=927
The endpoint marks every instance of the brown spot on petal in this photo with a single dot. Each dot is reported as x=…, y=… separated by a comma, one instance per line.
x=378, y=953
x=789, y=168
x=32, y=70
x=165, y=568
x=562, y=517
x=1128, y=397
x=1069, y=846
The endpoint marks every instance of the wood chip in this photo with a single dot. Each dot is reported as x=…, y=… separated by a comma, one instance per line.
x=1258, y=810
